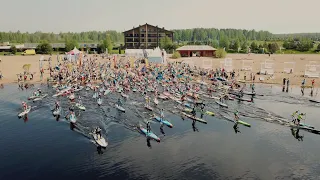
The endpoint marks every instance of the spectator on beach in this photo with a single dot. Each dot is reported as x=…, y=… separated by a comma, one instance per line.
x=0, y=75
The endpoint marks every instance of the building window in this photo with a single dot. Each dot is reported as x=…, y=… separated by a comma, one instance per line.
x=142, y=40
x=142, y=35
x=149, y=40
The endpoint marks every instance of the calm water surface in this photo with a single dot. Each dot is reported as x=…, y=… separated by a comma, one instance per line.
x=43, y=148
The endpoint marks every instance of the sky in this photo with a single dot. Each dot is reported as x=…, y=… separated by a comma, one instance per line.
x=276, y=16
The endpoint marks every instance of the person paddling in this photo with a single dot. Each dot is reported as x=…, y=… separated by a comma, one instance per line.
x=161, y=115
x=236, y=115
x=24, y=106
x=148, y=127
x=98, y=132
x=57, y=105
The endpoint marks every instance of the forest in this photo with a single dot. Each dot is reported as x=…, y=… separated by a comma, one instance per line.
x=232, y=40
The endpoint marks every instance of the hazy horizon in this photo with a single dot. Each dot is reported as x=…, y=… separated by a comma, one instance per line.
x=287, y=16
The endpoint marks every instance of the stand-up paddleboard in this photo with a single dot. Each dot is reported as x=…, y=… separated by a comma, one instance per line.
x=221, y=104
x=190, y=110
x=100, y=141
x=148, y=107
x=313, y=100
x=25, y=112
x=81, y=107
x=243, y=99
x=40, y=97
x=107, y=92
x=120, y=108
x=73, y=118
x=99, y=101
x=150, y=134
x=56, y=112
x=124, y=95
x=71, y=97
x=167, y=123
x=156, y=101
x=194, y=118
x=161, y=96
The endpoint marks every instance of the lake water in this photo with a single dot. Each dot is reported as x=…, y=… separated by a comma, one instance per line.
x=43, y=148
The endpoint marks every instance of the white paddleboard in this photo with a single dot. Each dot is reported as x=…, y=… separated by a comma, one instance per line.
x=101, y=141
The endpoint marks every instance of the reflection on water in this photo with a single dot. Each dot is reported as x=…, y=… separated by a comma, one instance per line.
x=43, y=147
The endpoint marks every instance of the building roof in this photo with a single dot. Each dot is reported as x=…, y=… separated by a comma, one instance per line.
x=148, y=25
x=196, y=48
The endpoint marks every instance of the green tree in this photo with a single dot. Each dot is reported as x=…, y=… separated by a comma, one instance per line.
x=273, y=47
x=221, y=53
x=13, y=49
x=215, y=43
x=166, y=43
x=236, y=45
x=108, y=44
x=44, y=48
x=318, y=47
x=70, y=44
x=176, y=55
x=244, y=47
x=254, y=46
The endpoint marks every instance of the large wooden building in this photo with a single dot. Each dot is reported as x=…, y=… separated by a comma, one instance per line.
x=145, y=37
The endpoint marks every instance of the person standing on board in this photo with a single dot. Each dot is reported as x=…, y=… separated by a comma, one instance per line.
x=24, y=106
x=161, y=115
x=236, y=115
x=148, y=127
x=294, y=116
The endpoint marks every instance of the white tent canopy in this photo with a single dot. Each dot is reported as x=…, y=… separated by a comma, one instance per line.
x=267, y=67
x=226, y=65
x=312, y=70
x=288, y=67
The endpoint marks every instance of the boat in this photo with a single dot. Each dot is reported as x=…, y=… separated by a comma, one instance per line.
x=194, y=118
x=25, y=112
x=134, y=90
x=167, y=123
x=88, y=88
x=100, y=141
x=40, y=97
x=80, y=106
x=95, y=95
x=221, y=104
x=99, y=101
x=198, y=110
x=150, y=134
x=106, y=92
x=156, y=101
x=120, y=108
x=149, y=108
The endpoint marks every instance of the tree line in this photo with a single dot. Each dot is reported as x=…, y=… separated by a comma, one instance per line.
x=82, y=37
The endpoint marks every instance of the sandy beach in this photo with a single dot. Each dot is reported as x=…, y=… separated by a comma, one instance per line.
x=296, y=77
x=12, y=65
